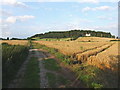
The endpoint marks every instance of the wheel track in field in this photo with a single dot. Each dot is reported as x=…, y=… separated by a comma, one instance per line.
x=87, y=53
x=73, y=56
x=43, y=79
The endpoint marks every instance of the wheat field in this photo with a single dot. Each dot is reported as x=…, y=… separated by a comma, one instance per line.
x=107, y=58
x=15, y=42
x=71, y=47
x=95, y=39
x=101, y=54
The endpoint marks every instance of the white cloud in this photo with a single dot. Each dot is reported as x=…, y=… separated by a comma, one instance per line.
x=25, y=17
x=13, y=19
x=105, y=18
x=86, y=9
x=13, y=3
x=102, y=8
x=97, y=8
x=81, y=1
x=88, y=1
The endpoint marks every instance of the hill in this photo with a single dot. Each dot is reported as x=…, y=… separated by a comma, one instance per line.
x=74, y=34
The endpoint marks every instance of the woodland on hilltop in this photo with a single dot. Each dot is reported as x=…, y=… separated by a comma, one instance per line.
x=72, y=34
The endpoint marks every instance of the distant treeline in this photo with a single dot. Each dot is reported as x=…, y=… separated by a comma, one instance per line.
x=73, y=34
x=12, y=39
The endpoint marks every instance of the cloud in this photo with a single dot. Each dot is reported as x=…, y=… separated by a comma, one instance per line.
x=78, y=21
x=5, y=13
x=111, y=26
x=81, y=1
x=13, y=3
x=96, y=8
x=88, y=1
x=13, y=19
x=6, y=33
x=105, y=18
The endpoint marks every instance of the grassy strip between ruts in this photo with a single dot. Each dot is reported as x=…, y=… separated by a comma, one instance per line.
x=51, y=64
x=56, y=81
x=32, y=78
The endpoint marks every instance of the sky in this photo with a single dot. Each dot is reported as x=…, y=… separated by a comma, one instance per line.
x=24, y=19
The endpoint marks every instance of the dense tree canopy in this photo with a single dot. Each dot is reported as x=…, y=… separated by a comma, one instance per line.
x=73, y=34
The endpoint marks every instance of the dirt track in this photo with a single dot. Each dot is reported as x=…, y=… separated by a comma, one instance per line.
x=42, y=55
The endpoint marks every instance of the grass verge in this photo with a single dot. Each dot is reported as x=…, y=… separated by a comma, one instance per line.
x=88, y=75
x=51, y=79
x=94, y=77
x=31, y=78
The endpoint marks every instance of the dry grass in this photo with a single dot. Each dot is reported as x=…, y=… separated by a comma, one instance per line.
x=95, y=39
x=71, y=47
x=15, y=42
x=83, y=56
x=106, y=59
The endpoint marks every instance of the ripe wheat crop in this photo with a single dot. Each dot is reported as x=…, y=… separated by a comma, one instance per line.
x=107, y=58
x=71, y=47
x=15, y=42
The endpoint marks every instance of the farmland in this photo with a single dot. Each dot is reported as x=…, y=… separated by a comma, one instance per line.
x=95, y=39
x=51, y=39
x=92, y=60
x=15, y=42
x=95, y=58
x=109, y=58
x=71, y=47
x=93, y=52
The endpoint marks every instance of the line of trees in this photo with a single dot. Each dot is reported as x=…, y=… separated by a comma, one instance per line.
x=12, y=39
x=73, y=34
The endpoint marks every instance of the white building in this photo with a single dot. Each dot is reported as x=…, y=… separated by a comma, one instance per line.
x=88, y=35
